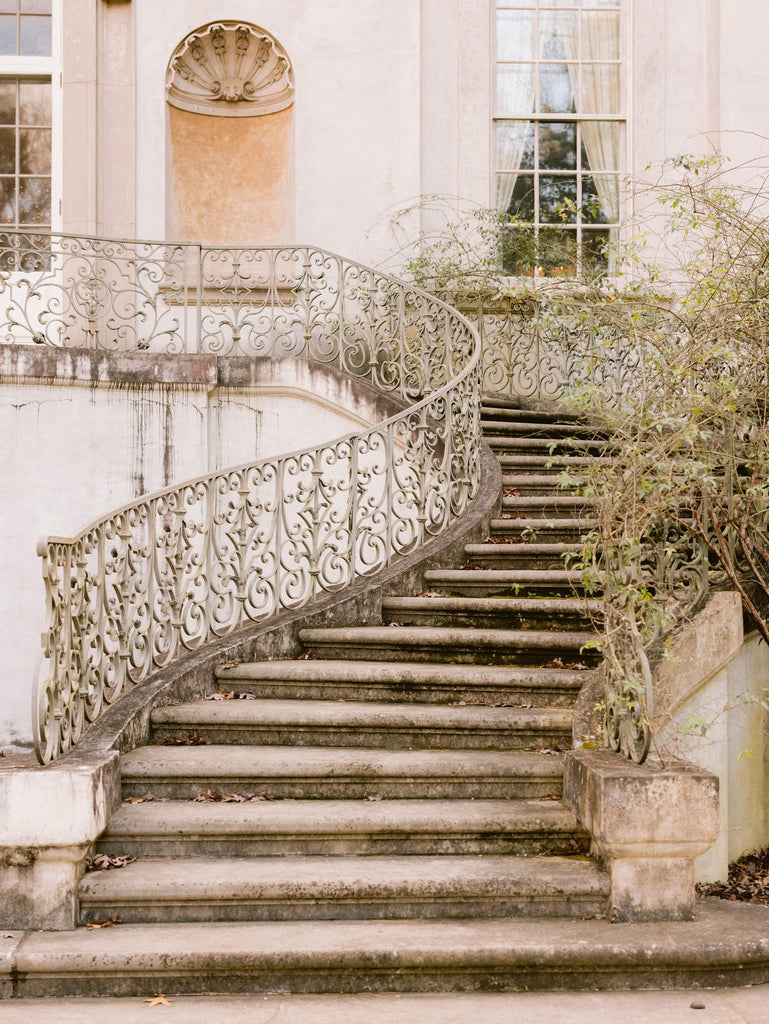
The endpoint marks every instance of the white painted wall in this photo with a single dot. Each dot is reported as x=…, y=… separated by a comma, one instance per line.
x=723, y=727
x=72, y=450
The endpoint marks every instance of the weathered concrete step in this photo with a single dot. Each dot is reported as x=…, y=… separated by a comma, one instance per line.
x=344, y=828
x=339, y=773
x=497, y=408
x=362, y=724
x=726, y=944
x=404, y=681
x=547, y=506
x=549, y=531
x=545, y=464
x=344, y=888
x=493, y=613
x=462, y=646
x=507, y=426
x=500, y=582
x=529, y=555
x=533, y=483
x=513, y=444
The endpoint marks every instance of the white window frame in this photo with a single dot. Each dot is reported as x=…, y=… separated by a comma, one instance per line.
x=12, y=66
x=625, y=9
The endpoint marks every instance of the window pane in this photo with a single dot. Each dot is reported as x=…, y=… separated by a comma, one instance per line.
x=7, y=103
x=600, y=91
x=600, y=199
x=595, y=246
x=7, y=33
x=558, y=145
x=35, y=151
x=7, y=201
x=7, y=150
x=515, y=88
x=515, y=146
x=558, y=35
x=600, y=35
x=556, y=93
x=7, y=6
x=557, y=252
x=515, y=35
x=557, y=199
x=35, y=6
x=522, y=200
x=600, y=145
x=35, y=36
x=35, y=201
x=34, y=103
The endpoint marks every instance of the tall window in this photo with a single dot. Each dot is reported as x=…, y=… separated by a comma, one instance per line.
x=558, y=131
x=25, y=114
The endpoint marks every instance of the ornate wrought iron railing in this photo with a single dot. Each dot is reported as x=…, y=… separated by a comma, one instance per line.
x=172, y=570
x=532, y=355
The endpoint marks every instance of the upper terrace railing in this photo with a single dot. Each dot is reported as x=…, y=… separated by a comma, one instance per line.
x=170, y=571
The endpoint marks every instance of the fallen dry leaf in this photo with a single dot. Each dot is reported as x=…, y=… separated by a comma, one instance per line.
x=106, y=861
x=191, y=739
x=109, y=923
x=139, y=799
x=158, y=999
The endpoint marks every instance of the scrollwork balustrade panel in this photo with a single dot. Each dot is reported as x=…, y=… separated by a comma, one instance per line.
x=173, y=570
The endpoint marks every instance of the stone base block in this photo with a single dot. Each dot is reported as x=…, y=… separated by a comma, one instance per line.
x=50, y=817
x=647, y=824
x=38, y=887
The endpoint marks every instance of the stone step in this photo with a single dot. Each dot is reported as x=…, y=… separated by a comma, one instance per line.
x=545, y=464
x=512, y=444
x=547, y=506
x=547, y=531
x=460, y=645
x=532, y=483
x=496, y=409
x=403, y=681
x=494, y=613
x=339, y=773
x=527, y=555
x=359, y=724
x=724, y=945
x=507, y=426
x=290, y=828
x=344, y=888
x=501, y=582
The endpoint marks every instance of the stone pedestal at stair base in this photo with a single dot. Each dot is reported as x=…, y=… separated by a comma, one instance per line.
x=49, y=817
x=647, y=824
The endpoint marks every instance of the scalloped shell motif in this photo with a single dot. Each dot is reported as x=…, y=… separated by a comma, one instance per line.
x=231, y=69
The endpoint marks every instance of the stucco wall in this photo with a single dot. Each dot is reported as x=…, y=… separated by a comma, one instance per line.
x=85, y=432
x=708, y=705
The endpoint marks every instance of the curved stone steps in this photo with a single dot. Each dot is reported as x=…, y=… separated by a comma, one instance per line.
x=345, y=888
x=461, y=645
x=496, y=612
x=365, y=724
x=502, y=582
x=726, y=945
x=291, y=828
x=339, y=773
x=435, y=683
x=527, y=555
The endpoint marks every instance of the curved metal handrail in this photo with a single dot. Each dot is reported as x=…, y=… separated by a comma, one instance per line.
x=172, y=570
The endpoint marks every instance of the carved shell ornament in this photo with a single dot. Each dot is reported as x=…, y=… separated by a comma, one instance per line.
x=232, y=69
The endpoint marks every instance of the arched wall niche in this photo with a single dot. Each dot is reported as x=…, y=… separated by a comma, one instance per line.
x=230, y=96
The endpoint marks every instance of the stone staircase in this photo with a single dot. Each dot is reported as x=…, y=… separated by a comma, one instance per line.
x=383, y=813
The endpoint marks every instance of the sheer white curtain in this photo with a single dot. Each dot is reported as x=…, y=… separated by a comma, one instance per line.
x=515, y=95
x=600, y=94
